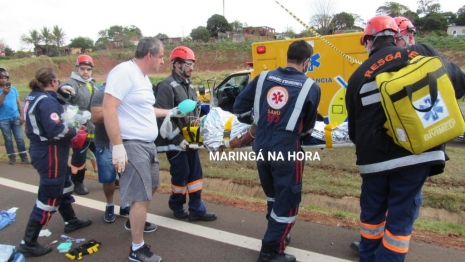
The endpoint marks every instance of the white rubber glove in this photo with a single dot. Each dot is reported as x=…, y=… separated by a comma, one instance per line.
x=120, y=158
x=68, y=90
x=183, y=144
x=176, y=113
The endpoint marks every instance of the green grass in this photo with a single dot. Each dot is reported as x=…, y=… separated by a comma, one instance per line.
x=336, y=175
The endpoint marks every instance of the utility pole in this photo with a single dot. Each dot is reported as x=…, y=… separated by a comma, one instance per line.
x=223, y=10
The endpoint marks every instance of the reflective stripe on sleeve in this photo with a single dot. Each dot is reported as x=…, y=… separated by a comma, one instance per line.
x=33, y=120
x=373, y=98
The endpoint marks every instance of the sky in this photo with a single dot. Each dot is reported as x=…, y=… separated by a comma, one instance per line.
x=173, y=18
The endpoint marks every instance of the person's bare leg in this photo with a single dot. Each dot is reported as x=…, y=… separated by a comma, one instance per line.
x=94, y=164
x=109, y=190
x=137, y=218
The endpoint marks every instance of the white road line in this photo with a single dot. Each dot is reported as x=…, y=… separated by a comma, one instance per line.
x=190, y=228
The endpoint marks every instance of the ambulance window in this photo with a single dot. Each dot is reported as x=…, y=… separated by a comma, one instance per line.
x=227, y=91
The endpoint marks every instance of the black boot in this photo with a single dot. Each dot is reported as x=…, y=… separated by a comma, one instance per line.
x=355, y=246
x=29, y=246
x=78, y=179
x=269, y=254
x=80, y=189
x=288, y=239
x=72, y=223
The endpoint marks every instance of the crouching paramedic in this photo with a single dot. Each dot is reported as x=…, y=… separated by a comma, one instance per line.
x=49, y=151
x=185, y=168
x=284, y=103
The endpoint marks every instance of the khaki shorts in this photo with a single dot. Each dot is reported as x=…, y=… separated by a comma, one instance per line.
x=141, y=174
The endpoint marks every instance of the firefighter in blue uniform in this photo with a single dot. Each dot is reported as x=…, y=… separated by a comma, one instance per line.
x=49, y=151
x=284, y=104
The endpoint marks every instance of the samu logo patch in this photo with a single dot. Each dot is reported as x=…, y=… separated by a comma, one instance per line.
x=277, y=97
x=436, y=114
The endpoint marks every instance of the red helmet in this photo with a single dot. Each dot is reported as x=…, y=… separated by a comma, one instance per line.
x=380, y=26
x=183, y=53
x=84, y=60
x=405, y=25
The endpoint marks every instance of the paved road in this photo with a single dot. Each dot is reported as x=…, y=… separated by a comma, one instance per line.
x=235, y=236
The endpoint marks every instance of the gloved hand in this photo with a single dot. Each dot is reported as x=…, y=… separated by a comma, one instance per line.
x=176, y=113
x=67, y=90
x=183, y=144
x=120, y=158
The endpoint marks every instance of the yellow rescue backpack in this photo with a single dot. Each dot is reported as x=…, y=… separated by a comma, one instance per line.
x=420, y=105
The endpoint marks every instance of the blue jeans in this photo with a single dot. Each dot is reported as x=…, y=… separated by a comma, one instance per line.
x=106, y=170
x=11, y=126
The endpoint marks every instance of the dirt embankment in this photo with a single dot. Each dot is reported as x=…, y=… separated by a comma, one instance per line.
x=211, y=60
x=205, y=61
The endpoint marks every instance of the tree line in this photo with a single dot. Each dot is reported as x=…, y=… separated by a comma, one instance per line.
x=428, y=19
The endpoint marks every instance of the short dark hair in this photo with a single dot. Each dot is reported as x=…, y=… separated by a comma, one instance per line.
x=148, y=45
x=299, y=51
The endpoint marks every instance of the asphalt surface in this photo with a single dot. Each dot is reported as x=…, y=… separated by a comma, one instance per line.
x=234, y=236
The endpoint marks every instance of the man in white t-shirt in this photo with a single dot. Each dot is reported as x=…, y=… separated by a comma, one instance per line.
x=130, y=121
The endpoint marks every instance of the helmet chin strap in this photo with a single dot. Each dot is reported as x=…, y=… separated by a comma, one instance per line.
x=182, y=70
x=407, y=39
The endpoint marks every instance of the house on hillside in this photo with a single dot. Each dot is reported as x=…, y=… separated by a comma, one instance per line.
x=134, y=40
x=251, y=32
x=50, y=50
x=233, y=36
x=116, y=43
x=259, y=30
x=170, y=40
x=119, y=42
x=456, y=30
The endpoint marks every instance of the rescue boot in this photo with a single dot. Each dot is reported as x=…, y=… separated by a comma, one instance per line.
x=78, y=179
x=12, y=160
x=25, y=160
x=287, y=240
x=72, y=223
x=29, y=245
x=268, y=254
x=355, y=246
x=80, y=189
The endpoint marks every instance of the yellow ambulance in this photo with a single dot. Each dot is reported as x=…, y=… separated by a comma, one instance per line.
x=335, y=58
